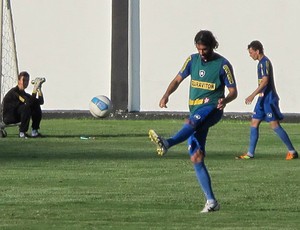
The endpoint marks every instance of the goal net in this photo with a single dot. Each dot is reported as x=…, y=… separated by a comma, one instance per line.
x=9, y=63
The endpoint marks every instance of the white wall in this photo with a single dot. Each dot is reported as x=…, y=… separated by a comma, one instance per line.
x=69, y=42
x=168, y=29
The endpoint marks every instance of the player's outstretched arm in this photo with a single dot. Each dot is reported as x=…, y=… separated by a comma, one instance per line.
x=171, y=89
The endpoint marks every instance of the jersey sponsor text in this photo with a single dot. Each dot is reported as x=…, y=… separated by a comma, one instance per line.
x=203, y=85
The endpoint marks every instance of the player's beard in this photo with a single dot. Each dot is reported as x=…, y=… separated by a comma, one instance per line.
x=207, y=56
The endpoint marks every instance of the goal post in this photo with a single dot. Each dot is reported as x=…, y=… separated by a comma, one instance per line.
x=9, y=61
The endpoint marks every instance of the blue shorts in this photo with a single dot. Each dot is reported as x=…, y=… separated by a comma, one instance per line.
x=202, y=119
x=268, y=111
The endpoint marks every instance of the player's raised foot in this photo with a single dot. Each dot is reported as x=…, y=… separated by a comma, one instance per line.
x=161, y=144
x=245, y=156
x=211, y=206
x=291, y=156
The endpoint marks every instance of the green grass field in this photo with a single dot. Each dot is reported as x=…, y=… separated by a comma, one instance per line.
x=116, y=181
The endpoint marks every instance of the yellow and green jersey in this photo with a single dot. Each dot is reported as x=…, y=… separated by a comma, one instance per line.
x=208, y=79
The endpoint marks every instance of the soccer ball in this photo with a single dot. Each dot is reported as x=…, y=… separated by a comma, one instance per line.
x=100, y=106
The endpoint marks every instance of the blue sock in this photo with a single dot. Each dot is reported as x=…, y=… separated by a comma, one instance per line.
x=183, y=134
x=204, y=180
x=254, y=134
x=284, y=137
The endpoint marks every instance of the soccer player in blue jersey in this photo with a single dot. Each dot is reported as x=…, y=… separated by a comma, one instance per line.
x=267, y=106
x=209, y=73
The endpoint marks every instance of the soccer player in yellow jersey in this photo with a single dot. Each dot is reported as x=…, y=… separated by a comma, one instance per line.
x=209, y=74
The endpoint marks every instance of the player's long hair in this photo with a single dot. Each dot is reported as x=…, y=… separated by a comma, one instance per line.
x=206, y=38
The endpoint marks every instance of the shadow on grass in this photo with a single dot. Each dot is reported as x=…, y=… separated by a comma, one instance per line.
x=91, y=155
x=113, y=146
x=117, y=153
x=93, y=135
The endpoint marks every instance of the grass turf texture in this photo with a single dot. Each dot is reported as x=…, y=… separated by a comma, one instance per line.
x=116, y=181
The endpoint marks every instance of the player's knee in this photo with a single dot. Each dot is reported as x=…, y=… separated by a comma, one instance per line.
x=187, y=121
x=190, y=123
x=274, y=124
x=197, y=157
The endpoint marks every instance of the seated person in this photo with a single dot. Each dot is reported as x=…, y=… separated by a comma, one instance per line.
x=19, y=106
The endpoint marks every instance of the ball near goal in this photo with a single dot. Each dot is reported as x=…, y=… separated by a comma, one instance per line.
x=100, y=106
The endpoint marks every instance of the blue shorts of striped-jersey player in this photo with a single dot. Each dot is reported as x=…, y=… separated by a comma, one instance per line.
x=267, y=111
x=202, y=120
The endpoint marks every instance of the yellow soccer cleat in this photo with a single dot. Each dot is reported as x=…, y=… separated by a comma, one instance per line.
x=245, y=156
x=161, y=143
